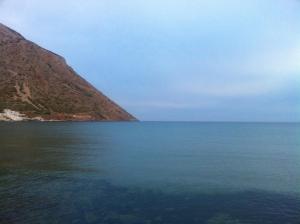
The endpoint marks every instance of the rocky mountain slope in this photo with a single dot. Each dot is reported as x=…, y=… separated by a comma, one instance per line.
x=40, y=85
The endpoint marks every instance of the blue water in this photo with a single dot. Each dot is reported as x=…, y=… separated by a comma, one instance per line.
x=150, y=172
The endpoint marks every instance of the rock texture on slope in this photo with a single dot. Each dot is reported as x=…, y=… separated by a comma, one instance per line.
x=40, y=85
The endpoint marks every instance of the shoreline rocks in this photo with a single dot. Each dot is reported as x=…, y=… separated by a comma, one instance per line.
x=10, y=115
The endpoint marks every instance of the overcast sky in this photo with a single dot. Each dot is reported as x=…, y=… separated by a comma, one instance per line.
x=203, y=60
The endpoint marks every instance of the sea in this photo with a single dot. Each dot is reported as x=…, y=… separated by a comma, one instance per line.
x=149, y=173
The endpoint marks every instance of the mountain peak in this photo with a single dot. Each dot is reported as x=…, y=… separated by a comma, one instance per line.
x=38, y=84
x=7, y=34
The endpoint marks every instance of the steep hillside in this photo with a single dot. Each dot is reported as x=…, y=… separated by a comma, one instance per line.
x=39, y=84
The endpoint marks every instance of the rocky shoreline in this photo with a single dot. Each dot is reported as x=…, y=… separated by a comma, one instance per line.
x=10, y=115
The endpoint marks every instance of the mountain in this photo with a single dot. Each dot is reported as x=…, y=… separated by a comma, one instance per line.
x=38, y=84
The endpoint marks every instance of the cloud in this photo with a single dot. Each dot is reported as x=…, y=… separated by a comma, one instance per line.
x=171, y=55
x=258, y=74
x=169, y=104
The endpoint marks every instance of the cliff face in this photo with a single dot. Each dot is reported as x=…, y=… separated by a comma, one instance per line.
x=39, y=84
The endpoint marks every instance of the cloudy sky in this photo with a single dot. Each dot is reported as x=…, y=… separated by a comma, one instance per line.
x=217, y=60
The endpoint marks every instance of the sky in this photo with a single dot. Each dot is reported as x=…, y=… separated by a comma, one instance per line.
x=172, y=60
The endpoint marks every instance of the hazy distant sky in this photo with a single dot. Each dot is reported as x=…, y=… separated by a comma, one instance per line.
x=206, y=60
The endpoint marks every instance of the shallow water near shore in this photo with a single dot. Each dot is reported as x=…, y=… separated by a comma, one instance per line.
x=150, y=172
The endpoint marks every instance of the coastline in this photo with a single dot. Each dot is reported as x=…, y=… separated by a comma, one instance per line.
x=14, y=116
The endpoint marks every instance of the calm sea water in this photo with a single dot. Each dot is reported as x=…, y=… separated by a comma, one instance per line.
x=150, y=173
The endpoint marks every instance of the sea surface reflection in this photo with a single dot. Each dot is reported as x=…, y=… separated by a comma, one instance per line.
x=150, y=172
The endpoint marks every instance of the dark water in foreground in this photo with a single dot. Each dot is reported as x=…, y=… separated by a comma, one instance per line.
x=150, y=173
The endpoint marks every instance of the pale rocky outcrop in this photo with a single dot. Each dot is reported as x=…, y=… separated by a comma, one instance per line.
x=10, y=115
